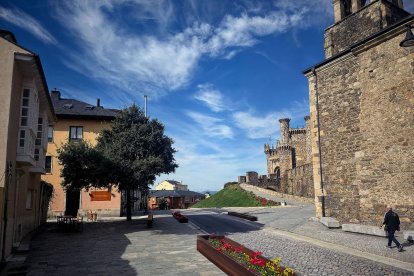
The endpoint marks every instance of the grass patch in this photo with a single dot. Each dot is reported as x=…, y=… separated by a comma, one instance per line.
x=230, y=196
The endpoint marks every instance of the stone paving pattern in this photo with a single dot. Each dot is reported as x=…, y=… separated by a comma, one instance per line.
x=120, y=248
x=307, y=259
x=296, y=218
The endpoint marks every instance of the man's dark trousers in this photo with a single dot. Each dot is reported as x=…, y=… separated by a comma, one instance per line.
x=391, y=238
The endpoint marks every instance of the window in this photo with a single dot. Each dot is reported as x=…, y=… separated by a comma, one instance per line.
x=21, y=138
x=48, y=164
x=50, y=134
x=24, y=116
x=38, y=141
x=75, y=133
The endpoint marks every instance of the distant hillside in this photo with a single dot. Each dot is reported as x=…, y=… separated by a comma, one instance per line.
x=230, y=196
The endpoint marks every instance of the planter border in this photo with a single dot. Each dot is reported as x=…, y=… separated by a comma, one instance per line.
x=241, y=215
x=226, y=263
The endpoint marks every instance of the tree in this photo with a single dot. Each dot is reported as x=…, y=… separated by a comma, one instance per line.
x=83, y=167
x=139, y=149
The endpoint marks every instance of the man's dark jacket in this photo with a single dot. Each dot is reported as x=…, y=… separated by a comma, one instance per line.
x=392, y=220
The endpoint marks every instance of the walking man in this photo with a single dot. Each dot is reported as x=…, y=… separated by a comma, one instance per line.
x=392, y=224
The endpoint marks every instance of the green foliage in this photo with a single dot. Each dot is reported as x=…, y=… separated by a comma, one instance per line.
x=230, y=196
x=82, y=166
x=230, y=184
x=138, y=147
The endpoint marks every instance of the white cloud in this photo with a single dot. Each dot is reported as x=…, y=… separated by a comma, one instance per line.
x=257, y=127
x=156, y=63
x=21, y=19
x=211, y=97
x=211, y=126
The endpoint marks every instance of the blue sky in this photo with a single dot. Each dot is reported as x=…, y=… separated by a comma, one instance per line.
x=218, y=73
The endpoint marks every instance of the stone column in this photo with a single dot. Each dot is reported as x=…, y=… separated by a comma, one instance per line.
x=337, y=10
x=356, y=5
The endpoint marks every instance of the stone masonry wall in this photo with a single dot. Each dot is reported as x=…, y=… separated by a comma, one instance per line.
x=366, y=110
x=298, y=143
x=361, y=24
x=301, y=181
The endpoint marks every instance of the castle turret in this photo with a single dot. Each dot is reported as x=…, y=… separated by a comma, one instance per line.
x=284, y=131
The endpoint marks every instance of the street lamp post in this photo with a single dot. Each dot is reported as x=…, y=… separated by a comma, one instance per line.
x=409, y=38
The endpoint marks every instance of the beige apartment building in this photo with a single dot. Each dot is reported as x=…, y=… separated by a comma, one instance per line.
x=25, y=112
x=77, y=120
x=171, y=185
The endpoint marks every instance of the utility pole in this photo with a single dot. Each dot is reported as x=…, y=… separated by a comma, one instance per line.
x=145, y=105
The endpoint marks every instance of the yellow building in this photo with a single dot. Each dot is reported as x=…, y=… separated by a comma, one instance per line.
x=77, y=120
x=171, y=185
x=25, y=112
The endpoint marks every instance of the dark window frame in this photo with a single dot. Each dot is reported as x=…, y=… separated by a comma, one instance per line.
x=50, y=134
x=48, y=169
x=76, y=128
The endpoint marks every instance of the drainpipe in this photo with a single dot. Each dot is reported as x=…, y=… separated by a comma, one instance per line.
x=322, y=197
x=6, y=200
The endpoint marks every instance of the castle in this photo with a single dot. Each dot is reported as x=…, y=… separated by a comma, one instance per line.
x=358, y=142
x=289, y=167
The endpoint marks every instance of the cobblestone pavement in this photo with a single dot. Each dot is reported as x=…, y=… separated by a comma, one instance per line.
x=295, y=218
x=308, y=259
x=119, y=247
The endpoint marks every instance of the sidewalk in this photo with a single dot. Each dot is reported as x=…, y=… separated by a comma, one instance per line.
x=297, y=220
x=114, y=246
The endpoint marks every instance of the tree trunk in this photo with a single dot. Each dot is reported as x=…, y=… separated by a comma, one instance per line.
x=72, y=202
x=128, y=204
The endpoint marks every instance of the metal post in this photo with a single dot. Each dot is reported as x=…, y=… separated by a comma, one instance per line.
x=145, y=105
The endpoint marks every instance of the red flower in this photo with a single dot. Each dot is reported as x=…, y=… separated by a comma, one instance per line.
x=219, y=249
x=258, y=261
x=238, y=249
x=256, y=254
x=227, y=246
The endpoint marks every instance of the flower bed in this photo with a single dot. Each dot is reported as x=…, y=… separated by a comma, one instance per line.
x=178, y=216
x=266, y=202
x=235, y=259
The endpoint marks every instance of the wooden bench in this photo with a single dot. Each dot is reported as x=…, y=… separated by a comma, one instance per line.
x=150, y=220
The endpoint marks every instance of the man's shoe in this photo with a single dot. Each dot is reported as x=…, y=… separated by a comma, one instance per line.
x=388, y=246
x=400, y=248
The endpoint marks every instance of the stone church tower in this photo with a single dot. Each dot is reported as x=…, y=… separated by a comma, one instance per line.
x=362, y=114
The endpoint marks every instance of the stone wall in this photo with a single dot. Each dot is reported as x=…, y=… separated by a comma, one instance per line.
x=366, y=111
x=301, y=181
x=298, y=144
x=361, y=24
x=275, y=193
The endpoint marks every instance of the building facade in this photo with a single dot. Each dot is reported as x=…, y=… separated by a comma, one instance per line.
x=171, y=185
x=77, y=120
x=362, y=114
x=25, y=113
x=173, y=199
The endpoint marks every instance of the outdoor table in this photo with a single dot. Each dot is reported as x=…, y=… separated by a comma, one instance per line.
x=67, y=222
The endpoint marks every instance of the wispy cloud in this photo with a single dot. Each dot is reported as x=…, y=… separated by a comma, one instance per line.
x=156, y=63
x=211, y=97
x=256, y=126
x=211, y=126
x=21, y=19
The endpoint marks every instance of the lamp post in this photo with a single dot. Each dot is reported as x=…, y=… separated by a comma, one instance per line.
x=409, y=38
